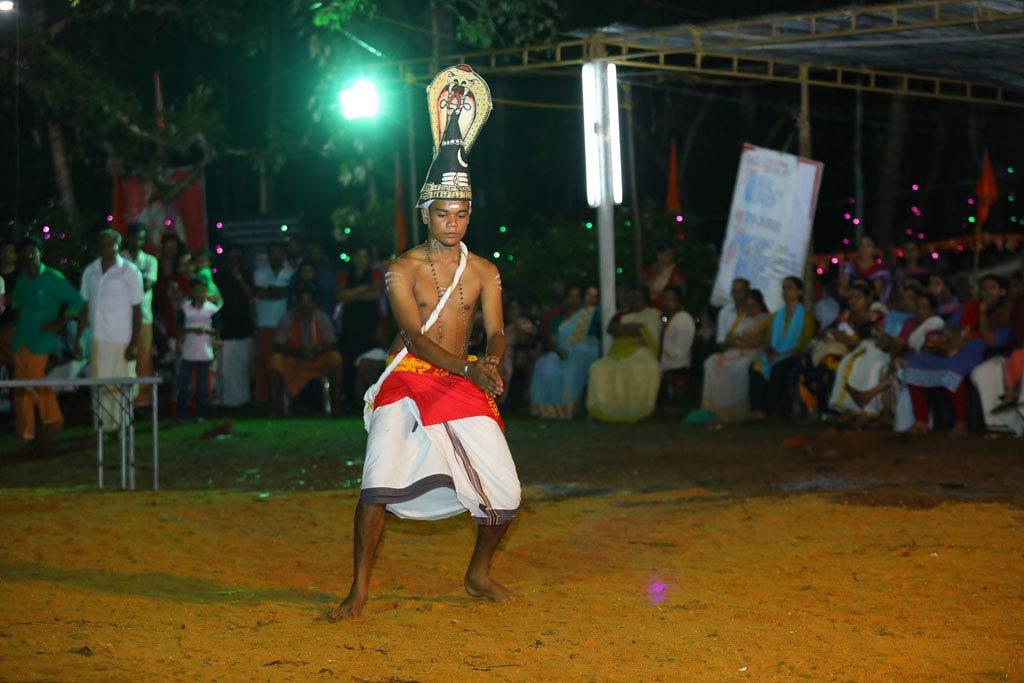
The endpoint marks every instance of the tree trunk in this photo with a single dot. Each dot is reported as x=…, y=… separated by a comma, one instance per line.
x=889, y=173
x=442, y=31
x=691, y=139
x=803, y=126
x=858, y=165
x=638, y=235
x=933, y=199
x=267, y=180
x=62, y=170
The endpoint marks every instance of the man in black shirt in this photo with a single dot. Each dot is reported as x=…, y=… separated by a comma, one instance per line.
x=9, y=272
x=236, y=327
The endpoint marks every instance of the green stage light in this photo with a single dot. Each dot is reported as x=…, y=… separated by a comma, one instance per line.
x=360, y=101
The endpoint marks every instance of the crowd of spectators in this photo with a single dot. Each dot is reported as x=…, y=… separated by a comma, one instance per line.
x=879, y=343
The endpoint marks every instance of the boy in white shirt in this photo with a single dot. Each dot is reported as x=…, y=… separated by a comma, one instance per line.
x=196, y=339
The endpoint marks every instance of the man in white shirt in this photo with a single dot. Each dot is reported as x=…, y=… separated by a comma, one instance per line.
x=112, y=289
x=150, y=269
x=676, y=346
x=270, y=284
x=727, y=316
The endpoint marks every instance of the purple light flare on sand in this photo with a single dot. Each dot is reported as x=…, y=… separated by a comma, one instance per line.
x=656, y=591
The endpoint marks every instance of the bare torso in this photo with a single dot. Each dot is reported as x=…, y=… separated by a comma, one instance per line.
x=430, y=274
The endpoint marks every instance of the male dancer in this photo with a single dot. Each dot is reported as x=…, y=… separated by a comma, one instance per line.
x=436, y=445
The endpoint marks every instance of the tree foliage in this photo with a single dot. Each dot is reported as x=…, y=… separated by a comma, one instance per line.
x=504, y=23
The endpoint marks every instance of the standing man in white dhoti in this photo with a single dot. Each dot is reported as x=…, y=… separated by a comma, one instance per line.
x=436, y=445
x=113, y=291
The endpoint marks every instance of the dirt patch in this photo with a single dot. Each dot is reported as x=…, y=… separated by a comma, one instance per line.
x=673, y=585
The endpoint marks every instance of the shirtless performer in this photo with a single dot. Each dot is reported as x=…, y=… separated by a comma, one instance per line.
x=436, y=443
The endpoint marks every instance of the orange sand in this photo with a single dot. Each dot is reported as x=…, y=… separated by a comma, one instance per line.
x=209, y=586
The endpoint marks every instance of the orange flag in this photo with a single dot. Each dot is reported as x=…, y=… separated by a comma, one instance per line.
x=985, y=189
x=672, y=203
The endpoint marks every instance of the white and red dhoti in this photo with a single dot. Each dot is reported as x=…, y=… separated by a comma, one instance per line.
x=437, y=448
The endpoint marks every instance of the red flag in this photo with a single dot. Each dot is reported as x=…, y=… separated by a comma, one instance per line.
x=119, y=223
x=672, y=203
x=985, y=189
x=401, y=218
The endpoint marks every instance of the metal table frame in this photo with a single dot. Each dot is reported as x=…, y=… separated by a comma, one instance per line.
x=123, y=390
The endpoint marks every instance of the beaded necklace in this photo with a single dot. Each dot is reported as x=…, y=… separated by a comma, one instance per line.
x=462, y=302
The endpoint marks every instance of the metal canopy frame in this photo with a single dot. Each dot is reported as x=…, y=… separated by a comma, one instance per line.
x=849, y=48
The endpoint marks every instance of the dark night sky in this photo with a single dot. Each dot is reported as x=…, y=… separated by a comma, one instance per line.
x=528, y=162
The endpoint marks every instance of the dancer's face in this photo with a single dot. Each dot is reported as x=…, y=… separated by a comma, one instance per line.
x=447, y=220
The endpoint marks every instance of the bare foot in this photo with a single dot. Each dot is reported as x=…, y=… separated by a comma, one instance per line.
x=486, y=587
x=350, y=608
x=861, y=398
x=919, y=428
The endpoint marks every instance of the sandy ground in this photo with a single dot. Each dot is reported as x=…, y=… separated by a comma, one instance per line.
x=671, y=585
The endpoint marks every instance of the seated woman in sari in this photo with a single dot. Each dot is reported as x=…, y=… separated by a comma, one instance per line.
x=950, y=356
x=624, y=385
x=999, y=379
x=560, y=375
x=792, y=329
x=815, y=375
x=889, y=395
x=866, y=264
x=864, y=378
x=726, y=380
x=949, y=306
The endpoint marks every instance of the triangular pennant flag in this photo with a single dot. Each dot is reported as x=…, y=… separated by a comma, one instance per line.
x=985, y=189
x=672, y=203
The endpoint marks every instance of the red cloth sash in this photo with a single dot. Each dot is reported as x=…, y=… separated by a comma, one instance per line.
x=440, y=396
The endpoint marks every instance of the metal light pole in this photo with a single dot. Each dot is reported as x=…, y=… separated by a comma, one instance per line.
x=604, y=172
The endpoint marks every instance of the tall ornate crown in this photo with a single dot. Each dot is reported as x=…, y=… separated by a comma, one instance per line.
x=459, y=102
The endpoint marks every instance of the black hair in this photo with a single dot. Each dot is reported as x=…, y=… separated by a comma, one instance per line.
x=932, y=301
x=30, y=240
x=797, y=282
x=663, y=246
x=743, y=280
x=678, y=291
x=998, y=279
x=306, y=289
x=865, y=288
x=136, y=228
x=110, y=232
x=758, y=296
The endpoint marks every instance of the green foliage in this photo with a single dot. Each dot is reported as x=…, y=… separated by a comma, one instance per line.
x=543, y=250
x=368, y=225
x=548, y=248
x=335, y=15
x=504, y=23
